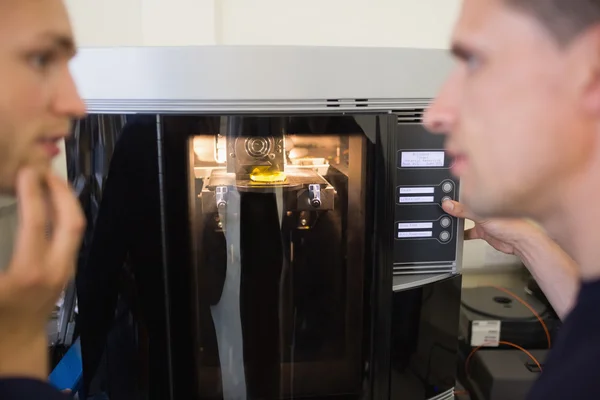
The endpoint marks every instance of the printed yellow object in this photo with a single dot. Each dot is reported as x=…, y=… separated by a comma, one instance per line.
x=264, y=174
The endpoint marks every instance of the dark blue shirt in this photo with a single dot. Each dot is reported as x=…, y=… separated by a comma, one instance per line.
x=572, y=370
x=21, y=389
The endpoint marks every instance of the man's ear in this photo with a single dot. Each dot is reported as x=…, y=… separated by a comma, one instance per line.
x=588, y=56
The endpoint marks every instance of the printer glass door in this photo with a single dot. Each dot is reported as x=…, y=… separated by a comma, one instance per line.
x=277, y=230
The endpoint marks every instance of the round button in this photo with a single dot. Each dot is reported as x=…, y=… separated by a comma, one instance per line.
x=447, y=187
x=445, y=236
x=445, y=222
x=446, y=198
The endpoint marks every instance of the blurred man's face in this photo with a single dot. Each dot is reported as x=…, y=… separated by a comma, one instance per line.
x=518, y=111
x=38, y=97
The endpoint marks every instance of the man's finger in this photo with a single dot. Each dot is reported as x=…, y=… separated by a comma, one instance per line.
x=31, y=238
x=456, y=209
x=68, y=225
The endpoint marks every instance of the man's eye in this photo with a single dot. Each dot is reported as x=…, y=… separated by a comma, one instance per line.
x=41, y=60
x=473, y=63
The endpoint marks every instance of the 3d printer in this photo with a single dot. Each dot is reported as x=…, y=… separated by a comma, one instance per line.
x=306, y=254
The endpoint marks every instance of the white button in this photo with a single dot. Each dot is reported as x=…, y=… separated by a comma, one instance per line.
x=446, y=198
x=445, y=222
x=445, y=236
x=447, y=187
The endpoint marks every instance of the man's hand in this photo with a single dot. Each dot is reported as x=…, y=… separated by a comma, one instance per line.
x=554, y=270
x=502, y=234
x=43, y=263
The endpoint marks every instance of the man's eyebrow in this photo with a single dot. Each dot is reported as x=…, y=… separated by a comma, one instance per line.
x=62, y=42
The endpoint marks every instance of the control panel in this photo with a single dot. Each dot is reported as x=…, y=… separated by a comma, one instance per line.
x=424, y=233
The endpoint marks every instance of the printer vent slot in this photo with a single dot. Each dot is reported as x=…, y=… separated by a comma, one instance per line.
x=410, y=116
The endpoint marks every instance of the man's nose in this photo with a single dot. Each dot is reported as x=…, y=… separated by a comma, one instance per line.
x=442, y=115
x=438, y=118
x=67, y=101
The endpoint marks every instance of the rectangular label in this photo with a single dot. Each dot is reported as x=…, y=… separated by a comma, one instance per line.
x=422, y=159
x=485, y=333
x=415, y=225
x=418, y=234
x=416, y=199
x=417, y=190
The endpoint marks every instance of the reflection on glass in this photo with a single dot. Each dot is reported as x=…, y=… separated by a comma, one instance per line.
x=278, y=227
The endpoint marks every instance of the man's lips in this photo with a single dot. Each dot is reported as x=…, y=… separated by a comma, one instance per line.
x=459, y=162
x=51, y=145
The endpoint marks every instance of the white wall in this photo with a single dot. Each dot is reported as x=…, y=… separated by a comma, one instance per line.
x=107, y=22
x=178, y=22
x=388, y=23
x=143, y=22
x=393, y=23
x=403, y=23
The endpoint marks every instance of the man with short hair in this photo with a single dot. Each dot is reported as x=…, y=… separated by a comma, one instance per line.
x=38, y=100
x=521, y=112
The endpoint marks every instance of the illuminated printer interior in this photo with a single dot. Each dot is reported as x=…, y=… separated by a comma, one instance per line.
x=266, y=164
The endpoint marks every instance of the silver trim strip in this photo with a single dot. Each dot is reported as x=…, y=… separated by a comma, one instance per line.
x=460, y=241
x=249, y=106
x=405, y=282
